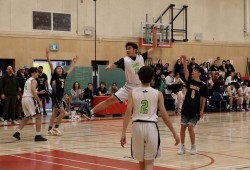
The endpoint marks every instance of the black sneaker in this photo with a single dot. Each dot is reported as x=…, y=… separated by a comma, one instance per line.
x=87, y=114
x=17, y=135
x=39, y=138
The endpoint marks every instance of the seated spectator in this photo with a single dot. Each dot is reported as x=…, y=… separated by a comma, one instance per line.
x=230, y=79
x=159, y=64
x=215, y=67
x=158, y=79
x=229, y=67
x=238, y=78
x=88, y=94
x=169, y=83
x=243, y=92
x=77, y=94
x=101, y=91
x=231, y=96
x=66, y=105
x=218, y=85
x=113, y=89
x=180, y=98
x=222, y=67
x=177, y=79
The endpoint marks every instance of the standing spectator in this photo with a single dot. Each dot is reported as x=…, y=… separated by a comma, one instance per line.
x=22, y=78
x=101, y=91
x=191, y=65
x=9, y=93
x=157, y=78
x=113, y=89
x=229, y=67
x=42, y=83
x=178, y=68
x=180, y=99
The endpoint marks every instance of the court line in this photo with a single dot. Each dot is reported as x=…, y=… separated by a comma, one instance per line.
x=80, y=161
x=48, y=162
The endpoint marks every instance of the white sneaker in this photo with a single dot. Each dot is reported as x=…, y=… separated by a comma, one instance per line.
x=5, y=123
x=193, y=150
x=16, y=122
x=57, y=132
x=182, y=150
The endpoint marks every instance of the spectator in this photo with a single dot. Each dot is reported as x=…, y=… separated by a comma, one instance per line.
x=9, y=93
x=159, y=64
x=169, y=83
x=223, y=66
x=66, y=105
x=230, y=79
x=229, y=67
x=243, y=93
x=101, y=91
x=180, y=99
x=165, y=69
x=158, y=78
x=191, y=65
x=77, y=95
x=42, y=84
x=178, y=68
x=208, y=65
x=231, y=95
x=218, y=85
x=177, y=79
x=88, y=94
x=113, y=89
x=215, y=67
x=22, y=78
x=238, y=78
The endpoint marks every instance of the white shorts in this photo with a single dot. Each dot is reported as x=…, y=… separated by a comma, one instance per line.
x=122, y=93
x=30, y=106
x=145, y=141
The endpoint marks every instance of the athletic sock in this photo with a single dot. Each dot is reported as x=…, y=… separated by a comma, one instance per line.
x=38, y=133
x=91, y=112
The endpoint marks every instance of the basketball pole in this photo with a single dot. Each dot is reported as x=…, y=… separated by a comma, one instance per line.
x=95, y=64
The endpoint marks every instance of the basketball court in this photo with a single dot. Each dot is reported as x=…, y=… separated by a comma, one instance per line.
x=222, y=143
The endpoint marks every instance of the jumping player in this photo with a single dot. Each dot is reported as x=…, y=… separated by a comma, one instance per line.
x=131, y=65
x=30, y=106
x=143, y=103
x=57, y=84
x=193, y=105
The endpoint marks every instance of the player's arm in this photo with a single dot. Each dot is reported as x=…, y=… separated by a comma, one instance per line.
x=185, y=67
x=126, y=119
x=154, y=44
x=34, y=92
x=110, y=67
x=49, y=61
x=203, y=102
x=72, y=65
x=165, y=117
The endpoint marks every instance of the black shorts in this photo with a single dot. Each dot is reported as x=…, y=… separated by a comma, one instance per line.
x=57, y=103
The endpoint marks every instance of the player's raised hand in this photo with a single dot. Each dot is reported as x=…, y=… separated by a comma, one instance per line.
x=108, y=68
x=74, y=60
x=154, y=30
x=183, y=58
x=47, y=53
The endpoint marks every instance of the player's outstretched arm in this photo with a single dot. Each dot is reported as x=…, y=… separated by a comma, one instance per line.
x=154, y=44
x=110, y=67
x=126, y=119
x=49, y=61
x=72, y=65
x=166, y=119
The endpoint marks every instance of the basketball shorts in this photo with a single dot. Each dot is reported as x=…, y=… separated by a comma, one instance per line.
x=30, y=106
x=57, y=103
x=188, y=121
x=145, y=141
x=122, y=93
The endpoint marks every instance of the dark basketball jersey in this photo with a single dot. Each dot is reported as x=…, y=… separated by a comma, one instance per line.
x=192, y=103
x=41, y=81
x=57, y=84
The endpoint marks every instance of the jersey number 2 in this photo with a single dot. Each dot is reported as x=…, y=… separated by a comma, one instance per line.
x=144, y=106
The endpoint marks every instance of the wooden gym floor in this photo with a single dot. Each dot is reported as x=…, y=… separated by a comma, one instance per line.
x=222, y=139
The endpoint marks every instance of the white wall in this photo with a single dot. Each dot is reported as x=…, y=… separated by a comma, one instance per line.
x=217, y=20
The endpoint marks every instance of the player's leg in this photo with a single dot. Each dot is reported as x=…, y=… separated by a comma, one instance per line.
x=111, y=100
x=149, y=165
x=184, y=122
x=142, y=165
x=38, y=136
x=44, y=105
x=191, y=125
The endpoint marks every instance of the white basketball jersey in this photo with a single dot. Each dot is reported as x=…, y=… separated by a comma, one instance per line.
x=131, y=69
x=27, y=88
x=145, y=104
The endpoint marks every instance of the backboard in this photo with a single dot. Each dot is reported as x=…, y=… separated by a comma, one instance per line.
x=163, y=35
